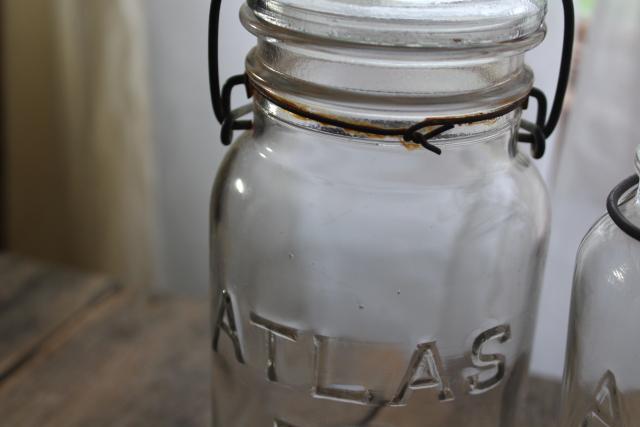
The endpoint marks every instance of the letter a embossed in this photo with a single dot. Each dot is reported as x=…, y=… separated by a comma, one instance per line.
x=425, y=371
x=605, y=411
x=225, y=321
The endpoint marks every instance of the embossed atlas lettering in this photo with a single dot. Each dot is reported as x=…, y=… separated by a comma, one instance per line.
x=426, y=368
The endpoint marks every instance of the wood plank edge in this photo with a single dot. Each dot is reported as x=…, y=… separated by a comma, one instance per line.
x=102, y=297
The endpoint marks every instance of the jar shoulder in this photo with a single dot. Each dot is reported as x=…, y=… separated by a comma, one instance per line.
x=315, y=159
x=357, y=197
x=608, y=260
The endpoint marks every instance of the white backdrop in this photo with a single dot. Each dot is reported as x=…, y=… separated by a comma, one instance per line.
x=597, y=153
x=186, y=134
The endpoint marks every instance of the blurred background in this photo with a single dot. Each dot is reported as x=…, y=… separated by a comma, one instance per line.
x=109, y=146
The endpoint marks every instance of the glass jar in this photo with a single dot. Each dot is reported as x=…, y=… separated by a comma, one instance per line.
x=602, y=379
x=359, y=279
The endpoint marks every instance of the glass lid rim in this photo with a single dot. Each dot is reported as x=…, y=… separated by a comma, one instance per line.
x=412, y=32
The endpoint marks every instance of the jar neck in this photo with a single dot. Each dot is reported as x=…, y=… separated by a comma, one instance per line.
x=387, y=87
x=500, y=132
x=278, y=131
x=348, y=159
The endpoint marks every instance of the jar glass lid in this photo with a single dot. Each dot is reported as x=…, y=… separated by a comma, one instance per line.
x=406, y=23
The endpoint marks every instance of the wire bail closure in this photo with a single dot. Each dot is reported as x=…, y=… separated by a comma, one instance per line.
x=613, y=207
x=535, y=134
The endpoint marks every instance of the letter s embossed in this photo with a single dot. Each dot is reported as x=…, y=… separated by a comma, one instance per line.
x=484, y=362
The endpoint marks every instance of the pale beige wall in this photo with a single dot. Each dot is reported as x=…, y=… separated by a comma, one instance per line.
x=37, y=198
x=79, y=150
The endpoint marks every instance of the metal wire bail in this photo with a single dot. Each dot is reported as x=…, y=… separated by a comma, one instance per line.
x=613, y=207
x=535, y=134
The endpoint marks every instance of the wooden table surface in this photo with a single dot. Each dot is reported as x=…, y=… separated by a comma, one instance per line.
x=76, y=350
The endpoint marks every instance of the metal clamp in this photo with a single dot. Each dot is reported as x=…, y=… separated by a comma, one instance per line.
x=221, y=100
x=535, y=134
x=542, y=129
x=613, y=207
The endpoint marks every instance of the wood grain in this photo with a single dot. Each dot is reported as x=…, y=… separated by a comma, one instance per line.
x=542, y=406
x=135, y=361
x=131, y=363
x=143, y=364
x=35, y=301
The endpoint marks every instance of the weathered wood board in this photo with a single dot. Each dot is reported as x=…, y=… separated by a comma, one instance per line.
x=131, y=361
x=35, y=301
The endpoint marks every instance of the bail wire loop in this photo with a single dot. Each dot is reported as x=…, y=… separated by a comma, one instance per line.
x=613, y=207
x=535, y=134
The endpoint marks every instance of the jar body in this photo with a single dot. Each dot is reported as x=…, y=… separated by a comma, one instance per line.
x=357, y=283
x=602, y=380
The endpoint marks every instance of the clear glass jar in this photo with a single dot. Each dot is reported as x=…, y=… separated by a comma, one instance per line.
x=359, y=279
x=602, y=379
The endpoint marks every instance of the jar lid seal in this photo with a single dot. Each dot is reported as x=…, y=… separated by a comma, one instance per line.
x=406, y=23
